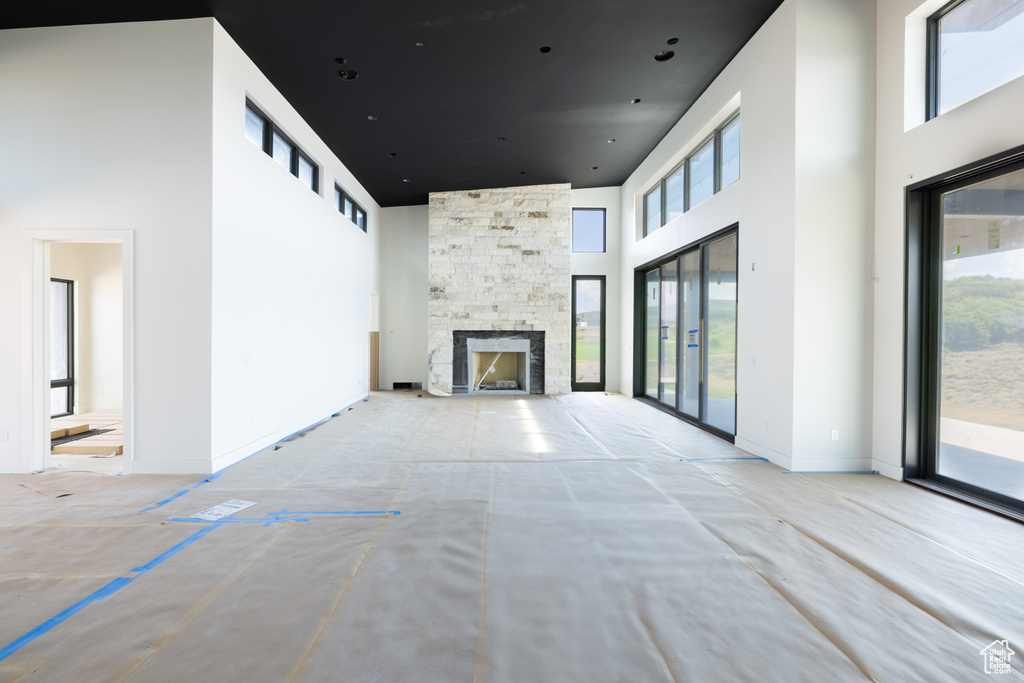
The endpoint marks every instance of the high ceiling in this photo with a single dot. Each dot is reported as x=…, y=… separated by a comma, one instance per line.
x=465, y=94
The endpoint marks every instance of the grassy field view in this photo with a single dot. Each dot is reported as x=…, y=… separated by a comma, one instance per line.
x=985, y=385
x=588, y=354
x=983, y=350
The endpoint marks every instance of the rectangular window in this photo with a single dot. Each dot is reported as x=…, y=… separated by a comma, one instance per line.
x=652, y=210
x=974, y=46
x=254, y=127
x=588, y=303
x=62, y=354
x=264, y=134
x=307, y=172
x=701, y=173
x=730, y=169
x=675, y=199
x=282, y=150
x=346, y=206
x=714, y=165
x=588, y=230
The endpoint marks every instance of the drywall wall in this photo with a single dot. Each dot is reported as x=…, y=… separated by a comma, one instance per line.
x=761, y=82
x=96, y=272
x=292, y=277
x=108, y=127
x=804, y=85
x=908, y=150
x=403, y=299
x=608, y=264
x=835, y=110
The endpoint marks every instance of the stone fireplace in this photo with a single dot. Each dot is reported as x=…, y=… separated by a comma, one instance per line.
x=499, y=283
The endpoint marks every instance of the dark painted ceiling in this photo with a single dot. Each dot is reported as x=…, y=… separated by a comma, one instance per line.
x=462, y=94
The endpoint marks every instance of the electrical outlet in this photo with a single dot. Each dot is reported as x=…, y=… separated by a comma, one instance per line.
x=835, y=435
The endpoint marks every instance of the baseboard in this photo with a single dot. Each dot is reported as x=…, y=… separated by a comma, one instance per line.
x=781, y=459
x=887, y=470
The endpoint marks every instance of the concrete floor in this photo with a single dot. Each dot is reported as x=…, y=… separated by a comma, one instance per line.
x=581, y=538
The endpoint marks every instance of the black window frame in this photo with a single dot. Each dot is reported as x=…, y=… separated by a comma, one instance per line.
x=934, y=59
x=358, y=216
x=716, y=138
x=922, y=304
x=269, y=129
x=604, y=229
x=933, y=65
x=600, y=385
x=69, y=381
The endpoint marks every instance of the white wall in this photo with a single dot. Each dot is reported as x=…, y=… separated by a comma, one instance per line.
x=761, y=81
x=96, y=271
x=804, y=84
x=292, y=277
x=908, y=151
x=403, y=301
x=835, y=129
x=108, y=127
x=608, y=264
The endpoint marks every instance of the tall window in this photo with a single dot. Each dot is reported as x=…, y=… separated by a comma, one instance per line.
x=965, y=332
x=973, y=46
x=262, y=132
x=62, y=349
x=714, y=164
x=588, y=230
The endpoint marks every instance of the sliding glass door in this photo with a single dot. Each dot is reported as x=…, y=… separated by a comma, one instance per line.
x=720, y=337
x=968, y=421
x=689, y=332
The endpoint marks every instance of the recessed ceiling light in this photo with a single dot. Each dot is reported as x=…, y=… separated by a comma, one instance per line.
x=522, y=173
x=593, y=168
x=664, y=56
x=348, y=75
x=672, y=41
x=610, y=141
x=546, y=49
x=339, y=60
x=501, y=139
x=420, y=44
x=392, y=154
x=371, y=117
x=406, y=180
x=635, y=100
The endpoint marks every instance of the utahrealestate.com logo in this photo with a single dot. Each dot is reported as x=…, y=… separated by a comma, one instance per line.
x=997, y=657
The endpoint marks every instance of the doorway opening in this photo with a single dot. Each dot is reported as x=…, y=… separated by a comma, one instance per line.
x=81, y=385
x=686, y=315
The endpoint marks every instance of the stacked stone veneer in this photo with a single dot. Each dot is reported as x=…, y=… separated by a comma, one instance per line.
x=499, y=260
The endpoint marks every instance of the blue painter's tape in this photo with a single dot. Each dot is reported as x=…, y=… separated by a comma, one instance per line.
x=181, y=493
x=718, y=459
x=234, y=520
x=828, y=472
x=176, y=549
x=339, y=512
x=48, y=625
